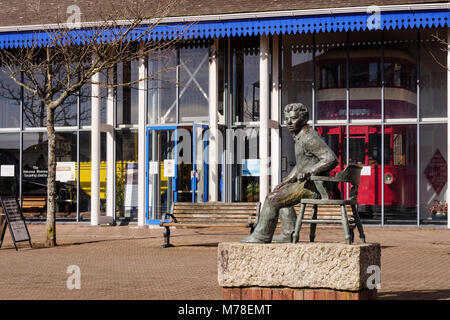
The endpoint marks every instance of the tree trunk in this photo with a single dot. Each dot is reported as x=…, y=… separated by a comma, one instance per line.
x=51, y=179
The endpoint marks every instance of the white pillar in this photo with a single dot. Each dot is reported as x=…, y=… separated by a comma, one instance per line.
x=142, y=94
x=95, y=151
x=213, y=150
x=110, y=163
x=448, y=116
x=264, y=95
x=275, y=146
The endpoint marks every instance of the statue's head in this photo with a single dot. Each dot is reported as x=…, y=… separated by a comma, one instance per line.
x=296, y=115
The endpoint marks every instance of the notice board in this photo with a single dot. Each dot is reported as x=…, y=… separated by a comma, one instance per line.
x=14, y=220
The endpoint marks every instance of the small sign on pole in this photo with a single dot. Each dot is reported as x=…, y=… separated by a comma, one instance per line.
x=14, y=220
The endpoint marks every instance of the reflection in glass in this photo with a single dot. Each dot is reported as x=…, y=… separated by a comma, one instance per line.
x=400, y=73
x=433, y=171
x=85, y=174
x=127, y=96
x=365, y=75
x=194, y=73
x=400, y=174
x=297, y=70
x=364, y=150
x=331, y=76
x=9, y=162
x=245, y=79
x=433, y=74
x=34, y=183
x=246, y=168
x=10, y=98
x=126, y=174
x=162, y=88
x=85, y=102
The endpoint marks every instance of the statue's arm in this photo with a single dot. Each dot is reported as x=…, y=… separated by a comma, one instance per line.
x=327, y=159
x=291, y=177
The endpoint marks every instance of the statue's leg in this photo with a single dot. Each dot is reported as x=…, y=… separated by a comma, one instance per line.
x=287, y=196
x=267, y=223
x=287, y=219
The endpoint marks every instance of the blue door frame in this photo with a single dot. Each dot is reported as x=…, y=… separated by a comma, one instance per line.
x=148, y=220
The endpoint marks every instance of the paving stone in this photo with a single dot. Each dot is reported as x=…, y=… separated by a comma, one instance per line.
x=126, y=262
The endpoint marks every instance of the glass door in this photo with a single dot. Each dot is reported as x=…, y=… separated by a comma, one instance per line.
x=161, y=171
x=176, y=167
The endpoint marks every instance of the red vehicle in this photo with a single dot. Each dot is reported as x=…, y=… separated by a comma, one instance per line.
x=365, y=147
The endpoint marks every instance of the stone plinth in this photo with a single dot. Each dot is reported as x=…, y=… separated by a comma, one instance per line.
x=296, y=271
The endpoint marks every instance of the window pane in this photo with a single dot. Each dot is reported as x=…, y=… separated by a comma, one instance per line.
x=331, y=64
x=245, y=79
x=433, y=168
x=34, y=185
x=433, y=74
x=9, y=162
x=127, y=96
x=400, y=175
x=246, y=168
x=162, y=93
x=10, y=97
x=34, y=114
x=365, y=150
x=297, y=70
x=126, y=174
x=400, y=73
x=365, y=74
x=86, y=102
x=194, y=79
x=85, y=174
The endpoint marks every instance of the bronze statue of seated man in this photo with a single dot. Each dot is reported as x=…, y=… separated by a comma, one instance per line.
x=313, y=157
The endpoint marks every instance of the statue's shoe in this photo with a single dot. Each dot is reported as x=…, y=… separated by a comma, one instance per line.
x=282, y=238
x=252, y=239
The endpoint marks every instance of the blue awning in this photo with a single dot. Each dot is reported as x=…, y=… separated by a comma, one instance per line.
x=281, y=25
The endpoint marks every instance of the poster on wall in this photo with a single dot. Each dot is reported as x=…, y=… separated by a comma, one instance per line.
x=169, y=168
x=7, y=171
x=65, y=171
x=131, y=190
x=153, y=167
x=436, y=171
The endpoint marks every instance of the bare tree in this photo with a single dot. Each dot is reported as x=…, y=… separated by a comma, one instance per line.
x=444, y=47
x=54, y=72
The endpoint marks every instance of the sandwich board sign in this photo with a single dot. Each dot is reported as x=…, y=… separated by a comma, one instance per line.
x=14, y=220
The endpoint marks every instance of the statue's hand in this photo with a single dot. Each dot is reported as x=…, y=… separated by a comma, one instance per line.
x=303, y=176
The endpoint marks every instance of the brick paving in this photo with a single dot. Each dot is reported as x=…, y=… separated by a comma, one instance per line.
x=126, y=262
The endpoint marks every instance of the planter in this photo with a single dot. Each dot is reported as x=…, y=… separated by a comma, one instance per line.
x=440, y=215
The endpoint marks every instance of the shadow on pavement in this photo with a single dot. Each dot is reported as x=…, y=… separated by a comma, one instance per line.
x=415, y=295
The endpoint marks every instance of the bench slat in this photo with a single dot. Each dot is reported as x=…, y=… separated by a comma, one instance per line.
x=205, y=221
x=211, y=212
x=205, y=225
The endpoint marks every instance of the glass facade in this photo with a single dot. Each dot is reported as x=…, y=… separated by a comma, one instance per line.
x=375, y=94
x=378, y=98
x=126, y=174
x=10, y=100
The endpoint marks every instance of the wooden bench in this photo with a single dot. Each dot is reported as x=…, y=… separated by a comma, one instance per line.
x=210, y=215
x=34, y=203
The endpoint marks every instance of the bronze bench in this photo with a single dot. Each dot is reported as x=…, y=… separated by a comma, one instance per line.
x=336, y=209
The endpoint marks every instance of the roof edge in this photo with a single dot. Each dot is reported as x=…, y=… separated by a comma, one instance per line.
x=249, y=15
